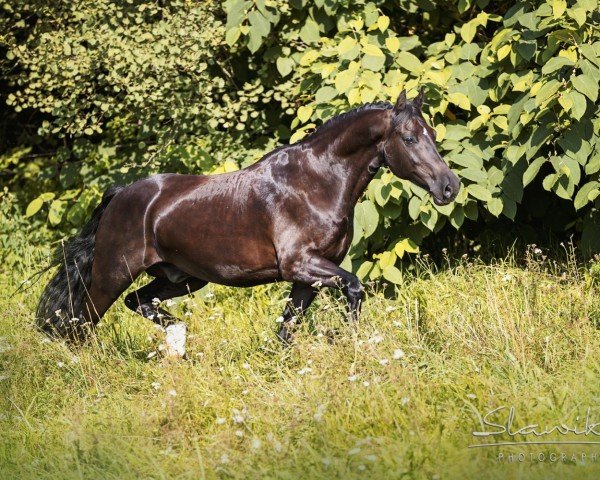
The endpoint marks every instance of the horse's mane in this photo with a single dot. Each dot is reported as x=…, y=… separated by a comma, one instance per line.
x=334, y=121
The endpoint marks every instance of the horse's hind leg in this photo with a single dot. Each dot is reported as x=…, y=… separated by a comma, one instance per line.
x=109, y=280
x=143, y=301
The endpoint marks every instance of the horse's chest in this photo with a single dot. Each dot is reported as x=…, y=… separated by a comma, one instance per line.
x=333, y=240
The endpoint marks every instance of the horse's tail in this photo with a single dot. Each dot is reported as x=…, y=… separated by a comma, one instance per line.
x=60, y=309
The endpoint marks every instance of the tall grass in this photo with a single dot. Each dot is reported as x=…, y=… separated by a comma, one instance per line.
x=396, y=395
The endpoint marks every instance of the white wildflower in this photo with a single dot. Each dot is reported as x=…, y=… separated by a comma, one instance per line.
x=404, y=400
x=155, y=385
x=256, y=443
x=354, y=451
x=239, y=433
x=398, y=354
x=366, y=383
x=224, y=458
x=60, y=364
x=384, y=361
x=172, y=393
x=304, y=371
x=220, y=421
x=320, y=411
x=376, y=339
x=237, y=417
x=279, y=319
x=352, y=378
x=156, y=301
x=472, y=396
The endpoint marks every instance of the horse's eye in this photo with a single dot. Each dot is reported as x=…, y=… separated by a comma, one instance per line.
x=409, y=140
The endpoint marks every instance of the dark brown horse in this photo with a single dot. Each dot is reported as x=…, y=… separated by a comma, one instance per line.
x=287, y=217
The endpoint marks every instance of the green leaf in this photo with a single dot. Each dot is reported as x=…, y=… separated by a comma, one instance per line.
x=325, y=94
x=558, y=7
x=392, y=43
x=392, y=274
x=57, y=208
x=479, y=192
x=309, y=33
x=583, y=195
x=468, y=31
x=406, y=245
x=364, y=269
x=344, y=80
x=309, y=57
x=367, y=216
x=259, y=23
x=586, y=85
x=346, y=45
x=34, y=206
x=546, y=91
x=304, y=113
x=579, y=104
x=532, y=170
x=495, y=206
x=383, y=22
x=285, y=65
x=414, y=207
x=409, y=61
x=372, y=63
x=232, y=36
x=460, y=99
x=555, y=63
x=473, y=174
x=372, y=50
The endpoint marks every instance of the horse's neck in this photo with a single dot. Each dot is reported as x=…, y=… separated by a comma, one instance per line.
x=351, y=156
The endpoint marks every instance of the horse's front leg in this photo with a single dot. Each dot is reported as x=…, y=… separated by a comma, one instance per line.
x=320, y=272
x=300, y=299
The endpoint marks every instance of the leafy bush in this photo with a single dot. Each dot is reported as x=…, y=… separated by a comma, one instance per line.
x=124, y=89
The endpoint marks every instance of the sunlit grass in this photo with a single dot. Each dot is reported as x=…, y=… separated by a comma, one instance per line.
x=397, y=395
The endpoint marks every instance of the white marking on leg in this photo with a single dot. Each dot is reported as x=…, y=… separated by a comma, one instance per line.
x=175, y=341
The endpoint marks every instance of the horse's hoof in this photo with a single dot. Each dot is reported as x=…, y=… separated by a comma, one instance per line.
x=285, y=337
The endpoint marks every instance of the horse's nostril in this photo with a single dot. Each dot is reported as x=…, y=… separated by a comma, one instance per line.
x=448, y=191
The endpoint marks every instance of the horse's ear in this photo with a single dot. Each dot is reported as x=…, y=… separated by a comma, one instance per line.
x=418, y=101
x=400, y=103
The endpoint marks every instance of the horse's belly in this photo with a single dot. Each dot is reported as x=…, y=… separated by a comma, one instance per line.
x=227, y=260
x=233, y=272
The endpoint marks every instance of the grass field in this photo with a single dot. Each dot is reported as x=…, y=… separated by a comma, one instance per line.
x=397, y=395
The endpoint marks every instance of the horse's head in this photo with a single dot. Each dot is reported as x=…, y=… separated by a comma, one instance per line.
x=411, y=154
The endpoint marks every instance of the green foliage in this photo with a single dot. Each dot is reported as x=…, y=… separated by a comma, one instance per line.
x=124, y=89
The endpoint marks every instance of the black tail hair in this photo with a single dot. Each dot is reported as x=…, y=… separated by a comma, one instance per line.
x=60, y=309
